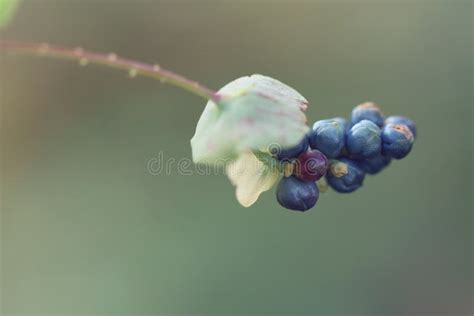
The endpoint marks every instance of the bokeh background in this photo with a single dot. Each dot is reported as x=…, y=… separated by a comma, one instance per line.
x=86, y=230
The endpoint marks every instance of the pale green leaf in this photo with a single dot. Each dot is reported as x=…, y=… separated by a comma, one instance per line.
x=256, y=112
x=251, y=177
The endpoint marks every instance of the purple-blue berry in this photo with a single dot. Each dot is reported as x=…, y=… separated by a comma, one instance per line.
x=292, y=152
x=328, y=136
x=367, y=111
x=398, y=119
x=363, y=140
x=345, y=175
x=397, y=140
x=311, y=165
x=375, y=165
x=295, y=194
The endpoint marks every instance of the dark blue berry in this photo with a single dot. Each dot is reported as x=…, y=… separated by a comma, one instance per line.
x=328, y=136
x=345, y=175
x=311, y=165
x=397, y=119
x=363, y=140
x=295, y=194
x=375, y=165
x=292, y=152
x=397, y=140
x=367, y=111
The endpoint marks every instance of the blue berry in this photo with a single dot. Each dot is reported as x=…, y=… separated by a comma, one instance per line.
x=397, y=140
x=376, y=164
x=328, y=136
x=295, y=194
x=363, y=140
x=367, y=111
x=292, y=152
x=397, y=119
x=345, y=175
x=311, y=165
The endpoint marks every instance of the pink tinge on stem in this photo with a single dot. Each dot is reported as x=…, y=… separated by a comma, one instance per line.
x=110, y=59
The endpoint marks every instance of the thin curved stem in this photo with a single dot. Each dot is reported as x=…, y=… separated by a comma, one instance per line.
x=133, y=67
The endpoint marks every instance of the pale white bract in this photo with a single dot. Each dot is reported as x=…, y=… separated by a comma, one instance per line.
x=251, y=177
x=255, y=112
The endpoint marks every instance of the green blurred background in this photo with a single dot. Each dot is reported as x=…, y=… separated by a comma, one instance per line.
x=86, y=230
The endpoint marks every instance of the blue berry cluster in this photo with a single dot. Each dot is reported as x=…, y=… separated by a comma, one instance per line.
x=344, y=152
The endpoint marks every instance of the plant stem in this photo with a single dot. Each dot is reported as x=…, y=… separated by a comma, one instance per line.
x=134, y=68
